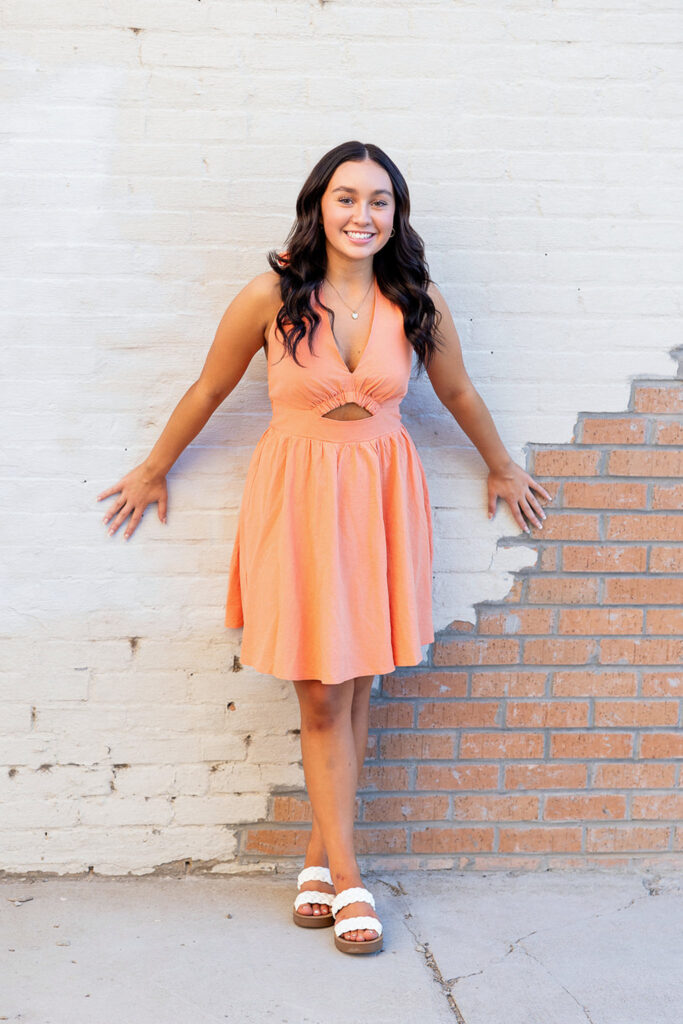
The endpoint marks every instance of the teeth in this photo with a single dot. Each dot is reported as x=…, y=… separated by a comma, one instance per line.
x=359, y=234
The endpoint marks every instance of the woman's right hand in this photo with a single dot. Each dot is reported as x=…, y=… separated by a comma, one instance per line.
x=136, y=490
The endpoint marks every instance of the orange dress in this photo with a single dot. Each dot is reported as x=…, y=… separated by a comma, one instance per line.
x=331, y=569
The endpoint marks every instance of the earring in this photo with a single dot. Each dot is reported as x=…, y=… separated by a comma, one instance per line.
x=392, y=233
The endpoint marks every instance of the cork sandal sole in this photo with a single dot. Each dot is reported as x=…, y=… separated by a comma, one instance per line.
x=356, y=894
x=313, y=874
x=364, y=946
x=312, y=920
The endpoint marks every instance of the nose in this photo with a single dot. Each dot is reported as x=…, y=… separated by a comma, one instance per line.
x=367, y=223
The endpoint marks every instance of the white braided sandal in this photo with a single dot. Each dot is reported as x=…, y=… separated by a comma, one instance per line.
x=313, y=874
x=351, y=924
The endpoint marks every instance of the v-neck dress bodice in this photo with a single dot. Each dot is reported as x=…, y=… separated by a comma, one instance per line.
x=331, y=569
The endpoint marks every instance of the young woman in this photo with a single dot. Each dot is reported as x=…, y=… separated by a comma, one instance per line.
x=331, y=570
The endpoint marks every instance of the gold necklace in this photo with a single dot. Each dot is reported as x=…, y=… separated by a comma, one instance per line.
x=354, y=313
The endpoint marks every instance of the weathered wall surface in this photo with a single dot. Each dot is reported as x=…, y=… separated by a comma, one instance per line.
x=548, y=732
x=153, y=156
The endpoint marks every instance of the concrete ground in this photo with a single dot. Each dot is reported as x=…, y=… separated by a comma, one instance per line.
x=460, y=948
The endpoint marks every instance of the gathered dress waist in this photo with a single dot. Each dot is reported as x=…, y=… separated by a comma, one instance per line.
x=310, y=423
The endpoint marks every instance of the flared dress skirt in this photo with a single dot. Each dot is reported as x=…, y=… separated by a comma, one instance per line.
x=330, y=575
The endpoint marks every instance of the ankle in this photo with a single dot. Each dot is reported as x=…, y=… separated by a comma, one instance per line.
x=346, y=877
x=315, y=856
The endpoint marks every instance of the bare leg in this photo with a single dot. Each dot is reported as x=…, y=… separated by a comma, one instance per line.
x=316, y=853
x=333, y=754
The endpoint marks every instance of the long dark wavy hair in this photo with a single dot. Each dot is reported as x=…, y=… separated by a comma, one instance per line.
x=400, y=266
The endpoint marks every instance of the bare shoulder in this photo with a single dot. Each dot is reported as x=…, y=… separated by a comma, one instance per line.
x=266, y=293
x=446, y=369
x=267, y=284
x=446, y=323
x=436, y=297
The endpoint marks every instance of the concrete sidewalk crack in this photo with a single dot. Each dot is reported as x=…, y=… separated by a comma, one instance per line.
x=422, y=946
x=654, y=886
x=557, y=981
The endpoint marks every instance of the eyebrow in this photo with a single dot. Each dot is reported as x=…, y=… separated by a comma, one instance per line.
x=378, y=191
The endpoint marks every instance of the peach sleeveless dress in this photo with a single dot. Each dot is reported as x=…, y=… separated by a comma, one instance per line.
x=331, y=569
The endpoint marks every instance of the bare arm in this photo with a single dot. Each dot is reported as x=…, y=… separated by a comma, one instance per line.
x=239, y=336
x=456, y=391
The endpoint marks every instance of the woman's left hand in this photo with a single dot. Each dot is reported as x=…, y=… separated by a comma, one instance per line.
x=515, y=485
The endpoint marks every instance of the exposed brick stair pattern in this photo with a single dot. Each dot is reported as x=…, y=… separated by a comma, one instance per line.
x=547, y=732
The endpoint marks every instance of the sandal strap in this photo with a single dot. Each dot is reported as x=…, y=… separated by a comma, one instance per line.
x=311, y=896
x=354, y=895
x=314, y=874
x=352, y=924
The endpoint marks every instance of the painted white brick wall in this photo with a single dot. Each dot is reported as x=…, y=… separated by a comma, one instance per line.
x=153, y=155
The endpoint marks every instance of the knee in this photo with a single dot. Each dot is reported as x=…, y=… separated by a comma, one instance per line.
x=323, y=706
x=361, y=696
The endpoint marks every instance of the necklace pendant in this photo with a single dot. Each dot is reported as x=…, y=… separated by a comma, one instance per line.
x=355, y=316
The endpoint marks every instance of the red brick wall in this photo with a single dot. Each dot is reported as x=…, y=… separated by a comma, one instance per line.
x=547, y=733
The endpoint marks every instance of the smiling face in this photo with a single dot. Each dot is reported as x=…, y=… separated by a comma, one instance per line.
x=358, y=202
